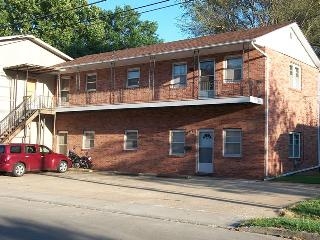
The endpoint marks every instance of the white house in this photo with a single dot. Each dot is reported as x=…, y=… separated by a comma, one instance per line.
x=26, y=81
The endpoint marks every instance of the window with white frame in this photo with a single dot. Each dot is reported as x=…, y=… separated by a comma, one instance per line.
x=233, y=69
x=179, y=75
x=91, y=82
x=64, y=88
x=294, y=144
x=63, y=142
x=232, y=142
x=88, y=139
x=131, y=140
x=177, y=142
x=133, y=77
x=295, y=76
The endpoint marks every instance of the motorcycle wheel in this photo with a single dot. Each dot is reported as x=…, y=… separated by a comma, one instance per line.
x=76, y=165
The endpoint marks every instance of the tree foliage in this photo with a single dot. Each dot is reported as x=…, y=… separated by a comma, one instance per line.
x=76, y=28
x=203, y=17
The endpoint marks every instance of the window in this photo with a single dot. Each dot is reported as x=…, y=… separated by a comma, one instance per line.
x=177, y=142
x=15, y=149
x=65, y=89
x=45, y=150
x=295, y=76
x=131, y=140
x=133, y=77
x=30, y=149
x=88, y=139
x=232, y=141
x=2, y=148
x=233, y=69
x=91, y=82
x=63, y=142
x=179, y=75
x=294, y=145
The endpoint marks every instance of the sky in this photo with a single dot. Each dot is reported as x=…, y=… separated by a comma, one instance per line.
x=166, y=18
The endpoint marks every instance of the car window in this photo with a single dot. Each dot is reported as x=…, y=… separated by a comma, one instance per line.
x=15, y=149
x=44, y=149
x=30, y=149
x=2, y=148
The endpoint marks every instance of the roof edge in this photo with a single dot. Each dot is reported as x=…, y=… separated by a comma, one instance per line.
x=157, y=54
x=39, y=42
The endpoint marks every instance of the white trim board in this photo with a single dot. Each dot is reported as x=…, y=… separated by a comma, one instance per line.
x=213, y=101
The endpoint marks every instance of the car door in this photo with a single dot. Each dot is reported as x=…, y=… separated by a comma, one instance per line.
x=32, y=157
x=47, y=158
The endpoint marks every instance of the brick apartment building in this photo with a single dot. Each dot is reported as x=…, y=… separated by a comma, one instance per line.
x=240, y=104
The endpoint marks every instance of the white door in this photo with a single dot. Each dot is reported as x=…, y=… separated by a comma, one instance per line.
x=205, y=151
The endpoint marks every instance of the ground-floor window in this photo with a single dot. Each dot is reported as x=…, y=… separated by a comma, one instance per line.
x=88, y=139
x=232, y=142
x=131, y=140
x=63, y=142
x=294, y=145
x=177, y=142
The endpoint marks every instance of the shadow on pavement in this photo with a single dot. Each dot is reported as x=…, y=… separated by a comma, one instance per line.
x=15, y=229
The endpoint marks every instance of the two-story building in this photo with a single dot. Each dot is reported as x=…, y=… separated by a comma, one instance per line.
x=239, y=104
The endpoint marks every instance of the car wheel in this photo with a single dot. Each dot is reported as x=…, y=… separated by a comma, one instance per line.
x=63, y=167
x=19, y=169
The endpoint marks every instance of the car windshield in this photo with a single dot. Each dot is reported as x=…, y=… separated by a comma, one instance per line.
x=2, y=148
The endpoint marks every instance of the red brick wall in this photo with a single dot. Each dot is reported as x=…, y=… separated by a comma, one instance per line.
x=291, y=110
x=153, y=125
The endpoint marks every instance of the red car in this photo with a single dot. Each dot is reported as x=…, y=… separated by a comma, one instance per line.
x=18, y=158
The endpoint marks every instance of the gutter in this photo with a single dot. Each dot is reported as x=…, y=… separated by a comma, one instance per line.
x=157, y=54
x=267, y=92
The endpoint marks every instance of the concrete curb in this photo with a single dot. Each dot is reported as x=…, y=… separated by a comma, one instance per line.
x=281, y=232
x=160, y=175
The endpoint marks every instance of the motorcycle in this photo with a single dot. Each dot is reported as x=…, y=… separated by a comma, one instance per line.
x=80, y=162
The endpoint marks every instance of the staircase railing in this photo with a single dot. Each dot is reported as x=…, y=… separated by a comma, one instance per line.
x=23, y=111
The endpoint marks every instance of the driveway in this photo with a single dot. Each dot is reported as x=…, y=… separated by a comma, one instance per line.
x=207, y=205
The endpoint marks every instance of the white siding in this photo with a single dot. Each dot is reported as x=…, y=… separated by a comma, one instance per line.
x=290, y=41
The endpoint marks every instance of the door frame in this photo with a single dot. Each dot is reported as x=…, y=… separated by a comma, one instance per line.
x=213, y=60
x=198, y=147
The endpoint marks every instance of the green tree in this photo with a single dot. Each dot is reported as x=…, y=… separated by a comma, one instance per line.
x=76, y=30
x=203, y=17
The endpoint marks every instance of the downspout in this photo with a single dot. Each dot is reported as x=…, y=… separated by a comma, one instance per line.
x=318, y=100
x=267, y=92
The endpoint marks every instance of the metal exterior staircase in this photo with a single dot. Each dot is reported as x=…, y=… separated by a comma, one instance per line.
x=21, y=116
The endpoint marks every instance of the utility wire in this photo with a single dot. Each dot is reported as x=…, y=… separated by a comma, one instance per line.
x=52, y=14
x=139, y=13
x=76, y=8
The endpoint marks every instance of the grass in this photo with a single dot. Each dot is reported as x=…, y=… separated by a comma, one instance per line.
x=303, y=216
x=307, y=178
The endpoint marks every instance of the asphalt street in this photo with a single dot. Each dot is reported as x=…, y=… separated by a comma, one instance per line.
x=80, y=205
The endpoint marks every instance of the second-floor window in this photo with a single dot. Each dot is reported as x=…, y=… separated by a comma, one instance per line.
x=295, y=76
x=233, y=69
x=179, y=75
x=133, y=77
x=91, y=82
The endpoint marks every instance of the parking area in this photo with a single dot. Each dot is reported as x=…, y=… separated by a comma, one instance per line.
x=203, y=202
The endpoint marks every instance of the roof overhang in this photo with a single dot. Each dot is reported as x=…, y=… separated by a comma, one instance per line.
x=31, y=68
x=211, y=101
x=161, y=56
